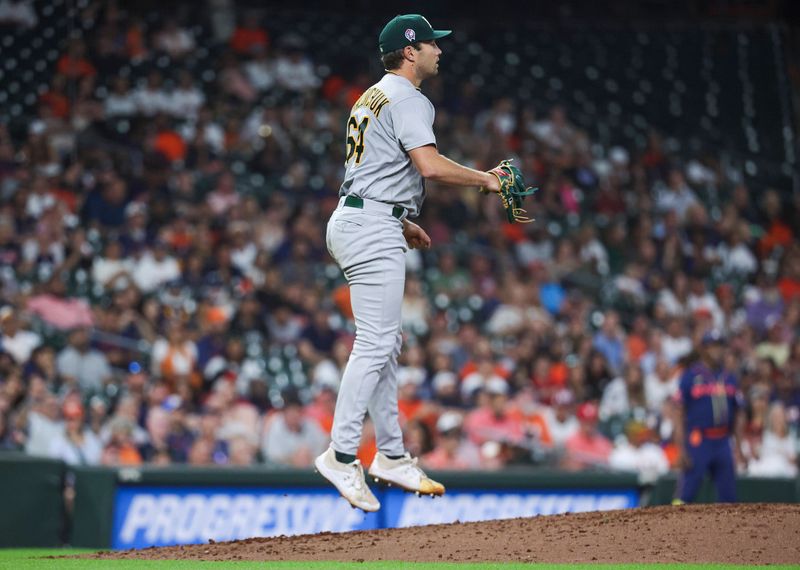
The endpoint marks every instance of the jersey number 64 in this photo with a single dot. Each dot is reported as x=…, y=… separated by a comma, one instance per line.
x=355, y=138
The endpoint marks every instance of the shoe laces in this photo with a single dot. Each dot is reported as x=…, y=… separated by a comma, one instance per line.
x=411, y=463
x=355, y=476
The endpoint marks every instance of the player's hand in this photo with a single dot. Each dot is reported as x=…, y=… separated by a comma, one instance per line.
x=492, y=183
x=415, y=236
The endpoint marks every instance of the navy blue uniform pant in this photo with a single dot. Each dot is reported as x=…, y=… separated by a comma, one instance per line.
x=713, y=456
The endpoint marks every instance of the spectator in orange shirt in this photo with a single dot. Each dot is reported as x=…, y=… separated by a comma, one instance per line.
x=368, y=446
x=322, y=407
x=636, y=342
x=168, y=142
x=482, y=353
x=789, y=282
x=174, y=356
x=181, y=235
x=778, y=233
x=535, y=425
x=408, y=402
x=341, y=298
x=587, y=448
x=135, y=44
x=548, y=377
x=74, y=64
x=249, y=36
x=333, y=86
x=120, y=450
x=55, y=99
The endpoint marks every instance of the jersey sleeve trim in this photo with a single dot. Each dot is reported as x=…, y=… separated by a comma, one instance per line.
x=415, y=145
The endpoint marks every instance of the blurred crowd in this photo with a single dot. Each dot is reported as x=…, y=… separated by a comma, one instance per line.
x=167, y=296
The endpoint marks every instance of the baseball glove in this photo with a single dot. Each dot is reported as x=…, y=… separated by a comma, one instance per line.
x=512, y=191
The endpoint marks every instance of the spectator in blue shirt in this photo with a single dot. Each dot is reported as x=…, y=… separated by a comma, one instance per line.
x=609, y=342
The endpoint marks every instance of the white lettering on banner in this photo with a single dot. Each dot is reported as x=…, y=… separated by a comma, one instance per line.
x=546, y=505
x=216, y=517
x=584, y=504
x=563, y=504
x=531, y=504
x=241, y=516
x=489, y=506
x=168, y=518
x=265, y=517
x=190, y=515
x=165, y=518
x=140, y=514
x=303, y=517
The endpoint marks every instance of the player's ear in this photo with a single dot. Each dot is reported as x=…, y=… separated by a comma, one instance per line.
x=408, y=53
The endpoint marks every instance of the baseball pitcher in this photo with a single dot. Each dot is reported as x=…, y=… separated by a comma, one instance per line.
x=391, y=150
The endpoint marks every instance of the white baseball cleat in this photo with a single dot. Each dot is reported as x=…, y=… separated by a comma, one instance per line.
x=405, y=473
x=348, y=478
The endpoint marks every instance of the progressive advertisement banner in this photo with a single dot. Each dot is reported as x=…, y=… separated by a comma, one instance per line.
x=161, y=516
x=401, y=509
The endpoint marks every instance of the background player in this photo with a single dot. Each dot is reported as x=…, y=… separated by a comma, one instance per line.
x=391, y=149
x=710, y=403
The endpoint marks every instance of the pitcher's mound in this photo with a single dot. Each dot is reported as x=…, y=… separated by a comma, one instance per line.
x=735, y=534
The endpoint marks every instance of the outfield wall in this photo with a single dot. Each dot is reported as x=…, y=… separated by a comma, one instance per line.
x=155, y=506
x=31, y=501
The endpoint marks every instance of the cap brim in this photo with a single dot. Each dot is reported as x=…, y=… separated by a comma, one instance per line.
x=441, y=33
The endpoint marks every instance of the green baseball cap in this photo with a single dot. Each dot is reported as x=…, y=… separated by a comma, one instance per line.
x=402, y=31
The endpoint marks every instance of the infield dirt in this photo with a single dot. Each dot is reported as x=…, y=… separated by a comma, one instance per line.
x=733, y=534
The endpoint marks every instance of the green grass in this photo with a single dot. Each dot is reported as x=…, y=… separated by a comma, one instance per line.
x=36, y=559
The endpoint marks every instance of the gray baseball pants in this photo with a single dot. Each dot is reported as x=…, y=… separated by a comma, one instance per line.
x=369, y=246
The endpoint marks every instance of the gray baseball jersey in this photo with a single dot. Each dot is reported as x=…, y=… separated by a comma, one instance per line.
x=391, y=118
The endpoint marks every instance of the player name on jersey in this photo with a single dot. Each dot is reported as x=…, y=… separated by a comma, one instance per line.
x=701, y=390
x=374, y=99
